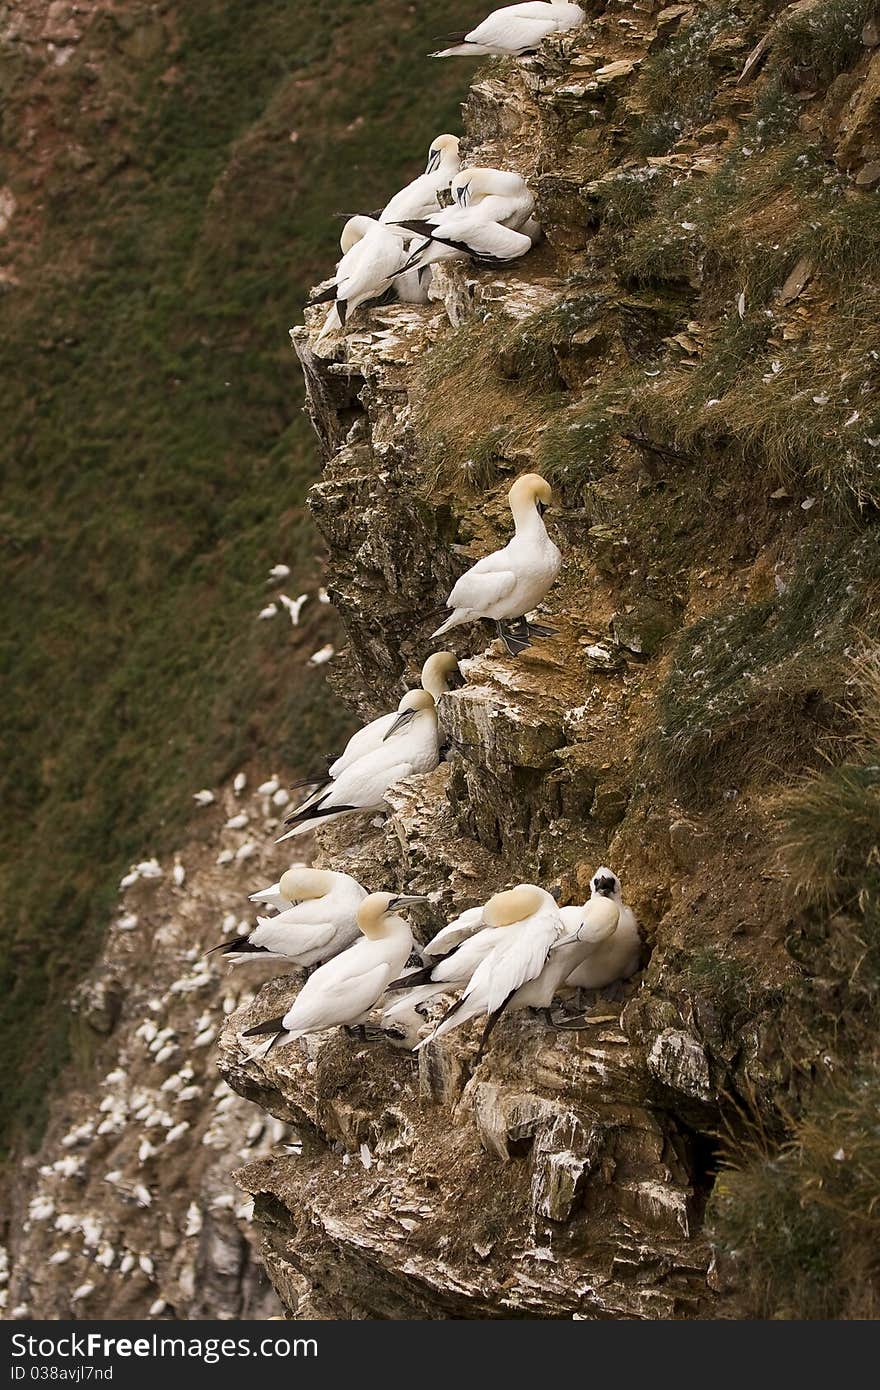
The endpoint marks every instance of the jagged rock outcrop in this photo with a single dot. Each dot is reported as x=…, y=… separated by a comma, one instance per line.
x=566, y=1174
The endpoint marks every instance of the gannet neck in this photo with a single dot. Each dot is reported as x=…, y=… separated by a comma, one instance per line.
x=301, y=883
x=514, y=905
x=355, y=230
x=377, y=915
x=438, y=672
x=527, y=496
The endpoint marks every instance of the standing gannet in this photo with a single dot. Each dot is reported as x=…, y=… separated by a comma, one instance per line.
x=511, y=582
x=515, y=30
x=532, y=926
x=619, y=956
x=342, y=992
x=320, y=921
x=410, y=746
x=586, y=930
x=440, y=674
x=490, y=220
x=419, y=198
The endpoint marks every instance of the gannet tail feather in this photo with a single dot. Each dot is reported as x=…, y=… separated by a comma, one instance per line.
x=271, y=1025
x=241, y=945
x=458, y=616
x=322, y=297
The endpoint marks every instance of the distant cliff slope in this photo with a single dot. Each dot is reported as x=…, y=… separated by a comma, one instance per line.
x=692, y=359
x=168, y=184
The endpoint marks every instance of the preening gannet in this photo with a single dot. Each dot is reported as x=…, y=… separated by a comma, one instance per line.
x=419, y=198
x=511, y=582
x=454, y=954
x=342, y=992
x=619, y=956
x=372, y=255
x=319, y=921
x=515, y=30
x=490, y=220
x=409, y=746
x=532, y=927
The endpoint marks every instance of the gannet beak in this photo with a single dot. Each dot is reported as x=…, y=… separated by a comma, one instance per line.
x=405, y=900
x=404, y=718
x=461, y=195
x=455, y=681
x=542, y=507
x=433, y=161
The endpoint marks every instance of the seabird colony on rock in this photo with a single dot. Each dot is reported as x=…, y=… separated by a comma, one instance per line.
x=519, y=950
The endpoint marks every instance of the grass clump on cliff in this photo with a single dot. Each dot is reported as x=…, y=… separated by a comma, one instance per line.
x=800, y=1223
x=751, y=683
x=678, y=81
x=812, y=46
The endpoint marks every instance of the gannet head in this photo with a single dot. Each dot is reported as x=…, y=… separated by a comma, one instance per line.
x=300, y=883
x=514, y=905
x=378, y=912
x=355, y=230
x=531, y=490
x=470, y=185
x=441, y=674
x=606, y=884
x=444, y=150
x=413, y=703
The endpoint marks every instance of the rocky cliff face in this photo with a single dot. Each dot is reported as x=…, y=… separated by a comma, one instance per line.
x=664, y=358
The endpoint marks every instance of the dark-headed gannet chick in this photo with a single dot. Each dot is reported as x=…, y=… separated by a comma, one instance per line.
x=533, y=925
x=619, y=956
x=319, y=921
x=508, y=584
x=342, y=992
x=410, y=746
x=515, y=30
x=420, y=198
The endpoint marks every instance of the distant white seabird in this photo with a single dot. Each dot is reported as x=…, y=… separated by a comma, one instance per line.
x=509, y=583
x=342, y=992
x=515, y=30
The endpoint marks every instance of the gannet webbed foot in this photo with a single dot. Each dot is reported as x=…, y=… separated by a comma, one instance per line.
x=363, y=1032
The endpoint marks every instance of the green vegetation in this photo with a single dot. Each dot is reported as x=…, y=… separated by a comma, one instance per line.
x=679, y=80
x=155, y=452
x=801, y=1222
x=750, y=684
x=813, y=46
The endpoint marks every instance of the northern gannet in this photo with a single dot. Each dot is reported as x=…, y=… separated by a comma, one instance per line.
x=454, y=954
x=419, y=198
x=619, y=956
x=440, y=674
x=342, y=992
x=515, y=30
x=511, y=582
x=373, y=254
x=532, y=926
x=490, y=220
x=410, y=746
x=278, y=572
x=319, y=921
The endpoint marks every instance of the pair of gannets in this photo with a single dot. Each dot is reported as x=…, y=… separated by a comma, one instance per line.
x=421, y=198
x=520, y=950
x=316, y=919
x=515, y=30
x=369, y=763
x=509, y=583
x=394, y=746
x=491, y=220
x=344, y=991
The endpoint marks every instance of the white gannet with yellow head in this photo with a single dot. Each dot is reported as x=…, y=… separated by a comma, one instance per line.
x=373, y=254
x=317, y=921
x=409, y=746
x=440, y=674
x=420, y=198
x=618, y=956
x=515, y=30
x=508, y=584
x=342, y=992
x=532, y=926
